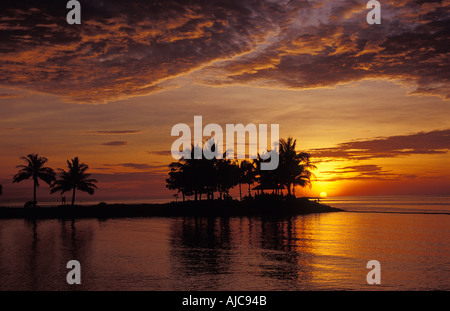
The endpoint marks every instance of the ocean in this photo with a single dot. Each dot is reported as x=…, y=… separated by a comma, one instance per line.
x=408, y=235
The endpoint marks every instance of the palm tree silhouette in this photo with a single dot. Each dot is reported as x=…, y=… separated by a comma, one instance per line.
x=227, y=176
x=268, y=179
x=304, y=174
x=179, y=180
x=1, y=189
x=289, y=162
x=295, y=167
x=36, y=170
x=207, y=174
x=73, y=179
x=248, y=174
x=192, y=176
x=186, y=174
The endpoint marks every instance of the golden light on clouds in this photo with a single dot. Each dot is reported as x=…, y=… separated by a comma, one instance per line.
x=370, y=104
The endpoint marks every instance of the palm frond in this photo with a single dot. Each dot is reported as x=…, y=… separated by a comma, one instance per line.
x=75, y=177
x=21, y=176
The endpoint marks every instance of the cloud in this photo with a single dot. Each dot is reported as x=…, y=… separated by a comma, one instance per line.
x=160, y=152
x=409, y=46
x=139, y=166
x=115, y=143
x=121, y=132
x=435, y=142
x=132, y=48
x=133, y=178
x=7, y=96
x=363, y=172
x=124, y=49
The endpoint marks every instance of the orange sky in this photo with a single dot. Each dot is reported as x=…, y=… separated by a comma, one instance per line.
x=369, y=102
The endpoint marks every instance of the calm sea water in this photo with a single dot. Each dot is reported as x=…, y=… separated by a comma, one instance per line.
x=312, y=252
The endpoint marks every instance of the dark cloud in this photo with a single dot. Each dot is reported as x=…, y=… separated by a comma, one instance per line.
x=115, y=143
x=160, y=152
x=124, y=48
x=129, y=48
x=363, y=172
x=101, y=168
x=410, y=46
x=435, y=142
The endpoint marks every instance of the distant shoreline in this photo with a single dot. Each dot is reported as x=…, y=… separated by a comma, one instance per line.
x=268, y=206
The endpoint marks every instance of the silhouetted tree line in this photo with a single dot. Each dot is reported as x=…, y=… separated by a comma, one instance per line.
x=197, y=177
x=73, y=179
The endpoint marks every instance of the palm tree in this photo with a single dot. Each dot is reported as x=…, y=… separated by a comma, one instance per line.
x=186, y=174
x=268, y=179
x=36, y=170
x=289, y=162
x=74, y=179
x=179, y=179
x=1, y=190
x=295, y=167
x=303, y=177
x=192, y=176
x=248, y=174
x=228, y=176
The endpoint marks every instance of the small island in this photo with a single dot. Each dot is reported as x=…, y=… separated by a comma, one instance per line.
x=273, y=190
x=262, y=206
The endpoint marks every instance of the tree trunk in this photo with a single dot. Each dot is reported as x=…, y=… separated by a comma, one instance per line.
x=34, y=193
x=73, y=197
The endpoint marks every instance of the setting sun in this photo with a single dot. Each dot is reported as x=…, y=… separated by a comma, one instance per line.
x=323, y=194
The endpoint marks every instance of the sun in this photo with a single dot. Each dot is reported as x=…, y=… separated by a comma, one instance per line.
x=323, y=194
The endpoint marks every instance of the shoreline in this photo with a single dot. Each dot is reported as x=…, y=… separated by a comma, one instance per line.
x=206, y=208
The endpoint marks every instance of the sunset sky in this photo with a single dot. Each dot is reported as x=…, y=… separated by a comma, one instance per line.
x=370, y=103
